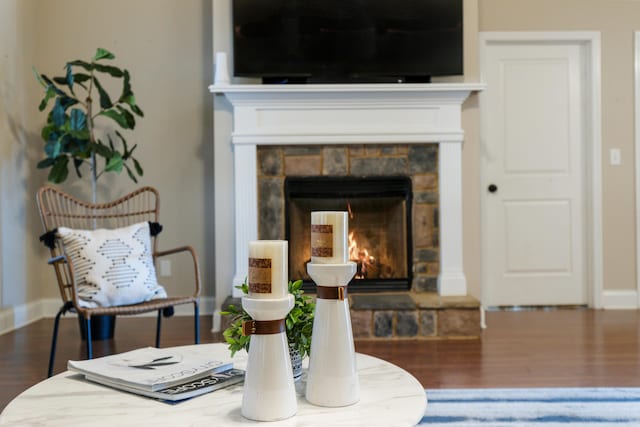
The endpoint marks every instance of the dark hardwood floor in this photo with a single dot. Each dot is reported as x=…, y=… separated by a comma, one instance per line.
x=561, y=348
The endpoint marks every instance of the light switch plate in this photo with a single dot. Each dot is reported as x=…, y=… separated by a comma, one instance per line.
x=615, y=157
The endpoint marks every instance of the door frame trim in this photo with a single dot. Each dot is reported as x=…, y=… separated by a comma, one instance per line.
x=592, y=128
x=636, y=73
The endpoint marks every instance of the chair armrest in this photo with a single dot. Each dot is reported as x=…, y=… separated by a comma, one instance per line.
x=194, y=256
x=63, y=267
x=57, y=259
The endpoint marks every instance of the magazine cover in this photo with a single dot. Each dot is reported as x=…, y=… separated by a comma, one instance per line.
x=152, y=368
x=187, y=390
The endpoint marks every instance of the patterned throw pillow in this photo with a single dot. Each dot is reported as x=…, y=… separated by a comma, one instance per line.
x=112, y=267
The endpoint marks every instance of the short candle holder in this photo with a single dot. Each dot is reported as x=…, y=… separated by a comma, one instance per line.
x=332, y=379
x=269, y=391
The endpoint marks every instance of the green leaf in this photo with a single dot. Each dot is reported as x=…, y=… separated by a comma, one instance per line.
x=137, y=166
x=109, y=69
x=38, y=77
x=102, y=150
x=58, y=116
x=114, y=164
x=105, y=100
x=115, y=116
x=126, y=87
x=130, y=173
x=55, y=88
x=67, y=101
x=103, y=54
x=77, y=163
x=70, y=77
x=52, y=147
x=43, y=164
x=137, y=110
x=78, y=78
x=59, y=171
x=83, y=64
x=50, y=93
x=81, y=77
x=78, y=119
x=80, y=134
x=131, y=121
x=57, y=147
x=127, y=152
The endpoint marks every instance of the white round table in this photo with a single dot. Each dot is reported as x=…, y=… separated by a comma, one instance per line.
x=389, y=397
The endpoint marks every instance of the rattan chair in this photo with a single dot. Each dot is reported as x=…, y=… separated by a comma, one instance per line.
x=59, y=209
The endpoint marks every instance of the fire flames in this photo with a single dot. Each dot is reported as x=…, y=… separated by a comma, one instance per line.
x=360, y=256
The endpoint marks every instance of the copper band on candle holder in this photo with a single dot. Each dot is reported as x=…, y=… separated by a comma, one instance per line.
x=262, y=327
x=332, y=292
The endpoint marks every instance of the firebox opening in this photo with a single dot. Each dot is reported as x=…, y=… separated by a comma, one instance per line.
x=379, y=227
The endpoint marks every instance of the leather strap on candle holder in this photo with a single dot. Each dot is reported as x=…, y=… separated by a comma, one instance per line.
x=332, y=292
x=262, y=327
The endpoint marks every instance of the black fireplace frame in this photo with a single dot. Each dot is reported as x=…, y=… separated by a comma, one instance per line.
x=325, y=187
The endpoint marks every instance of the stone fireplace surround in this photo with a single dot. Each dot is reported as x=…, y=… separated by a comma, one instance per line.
x=418, y=162
x=366, y=115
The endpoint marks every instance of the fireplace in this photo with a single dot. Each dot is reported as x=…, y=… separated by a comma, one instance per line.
x=379, y=226
x=326, y=115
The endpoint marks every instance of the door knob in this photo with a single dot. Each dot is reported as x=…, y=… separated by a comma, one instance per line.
x=492, y=188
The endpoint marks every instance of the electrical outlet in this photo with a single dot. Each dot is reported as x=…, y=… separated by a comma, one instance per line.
x=165, y=268
x=615, y=158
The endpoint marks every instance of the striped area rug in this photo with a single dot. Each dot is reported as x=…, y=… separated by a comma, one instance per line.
x=547, y=407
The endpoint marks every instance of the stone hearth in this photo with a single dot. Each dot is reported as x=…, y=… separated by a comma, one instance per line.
x=424, y=315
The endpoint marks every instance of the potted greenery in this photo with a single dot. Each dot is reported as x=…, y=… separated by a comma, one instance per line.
x=299, y=326
x=70, y=133
x=82, y=109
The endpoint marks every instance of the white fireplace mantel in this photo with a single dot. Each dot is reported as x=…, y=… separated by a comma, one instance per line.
x=351, y=114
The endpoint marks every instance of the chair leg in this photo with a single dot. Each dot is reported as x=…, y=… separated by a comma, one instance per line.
x=54, y=341
x=196, y=320
x=89, y=338
x=158, y=328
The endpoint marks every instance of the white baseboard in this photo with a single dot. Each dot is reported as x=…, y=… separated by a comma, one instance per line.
x=12, y=318
x=620, y=300
x=16, y=317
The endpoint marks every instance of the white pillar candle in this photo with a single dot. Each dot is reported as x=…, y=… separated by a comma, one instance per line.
x=268, y=269
x=329, y=244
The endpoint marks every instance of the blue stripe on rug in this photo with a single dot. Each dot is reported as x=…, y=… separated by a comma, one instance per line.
x=533, y=407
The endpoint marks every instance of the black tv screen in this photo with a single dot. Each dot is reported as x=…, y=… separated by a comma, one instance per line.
x=347, y=40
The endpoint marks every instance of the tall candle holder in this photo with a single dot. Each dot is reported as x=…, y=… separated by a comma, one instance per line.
x=332, y=379
x=269, y=390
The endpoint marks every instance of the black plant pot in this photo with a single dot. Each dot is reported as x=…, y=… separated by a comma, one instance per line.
x=102, y=327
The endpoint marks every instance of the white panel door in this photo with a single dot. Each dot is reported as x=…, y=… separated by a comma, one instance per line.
x=533, y=163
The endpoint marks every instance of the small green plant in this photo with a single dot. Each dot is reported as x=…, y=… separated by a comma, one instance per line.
x=299, y=322
x=70, y=131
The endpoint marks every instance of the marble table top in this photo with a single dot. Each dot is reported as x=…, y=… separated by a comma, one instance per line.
x=390, y=396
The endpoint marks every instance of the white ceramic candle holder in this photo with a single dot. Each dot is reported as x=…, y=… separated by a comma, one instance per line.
x=269, y=391
x=332, y=379
x=221, y=75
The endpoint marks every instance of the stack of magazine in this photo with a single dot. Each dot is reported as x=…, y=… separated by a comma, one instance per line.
x=170, y=374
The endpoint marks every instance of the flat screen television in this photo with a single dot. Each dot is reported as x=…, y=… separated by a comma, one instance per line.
x=347, y=40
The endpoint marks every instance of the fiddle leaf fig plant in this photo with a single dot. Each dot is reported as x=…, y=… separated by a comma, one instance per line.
x=298, y=323
x=79, y=100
